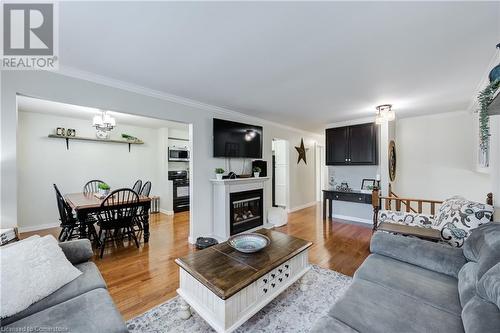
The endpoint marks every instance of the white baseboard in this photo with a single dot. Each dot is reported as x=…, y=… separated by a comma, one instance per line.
x=167, y=212
x=38, y=227
x=296, y=208
x=351, y=218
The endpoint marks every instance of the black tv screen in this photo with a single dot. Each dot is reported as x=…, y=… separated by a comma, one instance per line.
x=232, y=139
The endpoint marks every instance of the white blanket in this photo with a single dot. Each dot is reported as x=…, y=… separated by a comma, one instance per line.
x=31, y=270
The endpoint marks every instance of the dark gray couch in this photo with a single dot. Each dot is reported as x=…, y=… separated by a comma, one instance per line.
x=83, y=305
x=412, y=285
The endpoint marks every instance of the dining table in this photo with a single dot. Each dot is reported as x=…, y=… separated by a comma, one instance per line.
x=85, y=204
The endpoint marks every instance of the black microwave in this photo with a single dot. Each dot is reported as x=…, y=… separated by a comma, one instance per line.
x=178, y=154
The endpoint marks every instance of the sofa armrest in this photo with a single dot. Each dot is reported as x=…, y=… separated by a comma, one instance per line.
x=437, y=257
x=77, y=251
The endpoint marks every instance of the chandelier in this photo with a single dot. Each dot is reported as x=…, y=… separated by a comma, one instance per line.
x=384, y=114
x=103, y=123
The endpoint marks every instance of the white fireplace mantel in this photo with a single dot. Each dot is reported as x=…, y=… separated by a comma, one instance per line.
x=221, y=194
x=239, y=180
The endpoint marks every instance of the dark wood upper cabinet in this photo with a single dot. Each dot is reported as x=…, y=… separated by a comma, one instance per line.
x=352, y=145
x=337, y=138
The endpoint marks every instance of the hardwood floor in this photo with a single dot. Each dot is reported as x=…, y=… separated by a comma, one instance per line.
x=139, y=279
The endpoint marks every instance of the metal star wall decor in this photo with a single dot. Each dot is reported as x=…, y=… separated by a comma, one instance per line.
x=302, y=151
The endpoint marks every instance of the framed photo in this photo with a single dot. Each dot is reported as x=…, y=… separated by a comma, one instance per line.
x=368, y=184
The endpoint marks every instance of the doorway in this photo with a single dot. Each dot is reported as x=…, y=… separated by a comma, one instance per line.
x=281, y=173
x=60, y=145
x=321, y=171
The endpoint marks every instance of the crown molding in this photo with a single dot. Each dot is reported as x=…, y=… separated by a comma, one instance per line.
x=132, y=87
x=351, y=122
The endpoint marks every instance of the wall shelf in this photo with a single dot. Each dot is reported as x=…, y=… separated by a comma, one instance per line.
x=81, y=138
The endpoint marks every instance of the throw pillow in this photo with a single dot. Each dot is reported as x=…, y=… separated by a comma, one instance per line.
x=458, y=216
x=30, y=271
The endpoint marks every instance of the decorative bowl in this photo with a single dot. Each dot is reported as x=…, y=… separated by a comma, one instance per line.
x=249, y=242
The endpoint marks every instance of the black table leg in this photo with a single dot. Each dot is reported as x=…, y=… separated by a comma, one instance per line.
x=324, y=207
x=82, y=220
x=146, y=222
x=330, y=208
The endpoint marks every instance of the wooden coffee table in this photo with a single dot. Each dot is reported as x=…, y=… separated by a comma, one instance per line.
x=226, y=287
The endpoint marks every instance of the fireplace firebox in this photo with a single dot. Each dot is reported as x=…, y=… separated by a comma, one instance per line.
x=246, y=210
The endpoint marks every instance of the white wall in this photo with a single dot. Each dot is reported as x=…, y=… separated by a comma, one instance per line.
x=137, y=100
x=44, y=161
x=435, y=158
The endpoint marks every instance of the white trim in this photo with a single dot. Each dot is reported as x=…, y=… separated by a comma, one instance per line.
x=352, y=121
x=131, y=87
x=38, y=227
x=351, y=218
x=307, y=205
x=166, y=212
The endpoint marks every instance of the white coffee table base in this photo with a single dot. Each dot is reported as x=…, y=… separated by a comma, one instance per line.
x=227, y=315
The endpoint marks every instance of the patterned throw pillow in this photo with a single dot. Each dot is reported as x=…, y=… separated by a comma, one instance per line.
x=457, y=216
x=412, y=219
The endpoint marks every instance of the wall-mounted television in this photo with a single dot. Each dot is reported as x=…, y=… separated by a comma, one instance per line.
x=232, y=139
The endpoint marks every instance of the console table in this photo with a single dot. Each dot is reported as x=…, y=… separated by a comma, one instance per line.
x=352, y=196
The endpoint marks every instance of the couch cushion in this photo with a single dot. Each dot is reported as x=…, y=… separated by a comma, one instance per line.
x=485, y=248
x=89, y=280
x=93, y=311
x=467, y=280
x=413, y=219
x=327, y=324
x=480, y=316
x=436, y=289
x=440, y=258
x=458, y=216
x=488, y=287
x=473, y=244
x=370, y=307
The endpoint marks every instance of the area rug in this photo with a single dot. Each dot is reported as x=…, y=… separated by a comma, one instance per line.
x=292, y=311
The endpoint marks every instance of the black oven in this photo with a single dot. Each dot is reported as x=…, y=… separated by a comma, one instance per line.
x=180, y=184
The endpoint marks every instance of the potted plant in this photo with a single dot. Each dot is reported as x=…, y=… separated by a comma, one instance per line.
x=256, y=172
x=218, y=173
x=103, y=189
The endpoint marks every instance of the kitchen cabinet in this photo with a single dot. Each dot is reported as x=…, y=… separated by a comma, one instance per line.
x=352, y=145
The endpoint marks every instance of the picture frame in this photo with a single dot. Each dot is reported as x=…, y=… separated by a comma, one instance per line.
x=367, y=184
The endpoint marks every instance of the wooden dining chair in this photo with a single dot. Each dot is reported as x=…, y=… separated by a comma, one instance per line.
x=69, y=224
x=137, y=186
x=92, y=186
x=141, y=215
x=118, y=212
x=146, y=188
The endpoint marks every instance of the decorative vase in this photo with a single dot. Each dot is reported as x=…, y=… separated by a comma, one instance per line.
x=103, y=193
x=495, y=73
x=256, y=174
x=218, y=176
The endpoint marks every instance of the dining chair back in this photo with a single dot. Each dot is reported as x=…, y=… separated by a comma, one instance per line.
x=137, y=186
x=146, y=188
x=92, y=186
x=68, y=222
x=118, y=213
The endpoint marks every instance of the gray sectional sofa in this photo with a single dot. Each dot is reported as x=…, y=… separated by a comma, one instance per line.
x=412, y=285
x=83, y=305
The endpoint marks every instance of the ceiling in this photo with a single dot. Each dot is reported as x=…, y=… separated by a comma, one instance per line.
x=303, y=64
x=29, y=104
